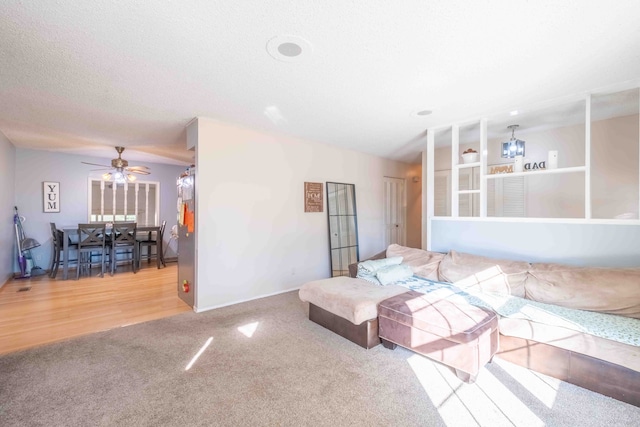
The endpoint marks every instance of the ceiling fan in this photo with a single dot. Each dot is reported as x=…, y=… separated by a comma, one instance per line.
x=123, y=172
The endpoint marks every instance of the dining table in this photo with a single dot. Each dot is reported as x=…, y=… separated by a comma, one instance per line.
x=72, y=230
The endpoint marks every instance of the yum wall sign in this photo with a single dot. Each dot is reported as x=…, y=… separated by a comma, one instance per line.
x=51, y=196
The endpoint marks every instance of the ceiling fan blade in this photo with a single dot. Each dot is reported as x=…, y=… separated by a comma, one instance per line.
x=138, y=171
x=101, y=169
x=95, y=164
x=137, y=167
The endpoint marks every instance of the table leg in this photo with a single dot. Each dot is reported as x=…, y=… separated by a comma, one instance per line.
x=65, y=251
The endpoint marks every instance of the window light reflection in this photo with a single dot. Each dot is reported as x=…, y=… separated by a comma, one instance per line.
x=486, y=402
x=204, y=347
x=248, y=329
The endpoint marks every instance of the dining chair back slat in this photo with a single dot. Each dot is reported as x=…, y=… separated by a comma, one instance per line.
x=123, y=240
x=91, y=241
x=57, y=254
x=148, y=242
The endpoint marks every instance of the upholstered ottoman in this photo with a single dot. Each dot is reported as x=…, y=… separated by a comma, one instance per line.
x=455, y=333
x=347, y=306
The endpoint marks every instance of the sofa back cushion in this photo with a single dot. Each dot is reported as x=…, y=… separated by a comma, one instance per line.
x=606, y=290
x=423, y=263
x=486, y=274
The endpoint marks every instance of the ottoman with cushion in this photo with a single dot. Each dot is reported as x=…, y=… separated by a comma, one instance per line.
x=347, y=306
x=455, y=333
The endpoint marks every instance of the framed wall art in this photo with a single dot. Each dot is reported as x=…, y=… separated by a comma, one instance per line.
x=313, y=198
x=50, y=196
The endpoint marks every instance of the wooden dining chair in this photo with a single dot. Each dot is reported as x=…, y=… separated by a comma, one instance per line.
x=149, y=241
x=57, y=250
x=91, y=242
x=123, y=241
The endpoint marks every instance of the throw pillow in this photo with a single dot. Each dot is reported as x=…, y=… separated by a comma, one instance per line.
x=393, y=273
x=370, y=267
x=485, y=274
x=423, y=263
x=605, y=290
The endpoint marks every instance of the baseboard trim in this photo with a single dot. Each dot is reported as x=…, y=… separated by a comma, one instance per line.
x=213, y=307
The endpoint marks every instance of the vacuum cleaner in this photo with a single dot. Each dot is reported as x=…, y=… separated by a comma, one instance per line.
x=25, y=244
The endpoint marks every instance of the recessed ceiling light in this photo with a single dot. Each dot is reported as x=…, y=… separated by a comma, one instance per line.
x=289, y=48
x=422, y=113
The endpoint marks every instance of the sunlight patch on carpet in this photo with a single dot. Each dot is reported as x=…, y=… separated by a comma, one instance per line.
x=543, y=387
x=202, y=349
x=486, y=402
x=248, y=329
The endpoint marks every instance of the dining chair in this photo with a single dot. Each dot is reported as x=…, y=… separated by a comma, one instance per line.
x=91, y=242
x=57, y=257
x=123, y=241
x=149, y=242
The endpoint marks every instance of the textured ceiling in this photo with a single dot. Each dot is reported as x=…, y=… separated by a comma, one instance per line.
x=83, y=77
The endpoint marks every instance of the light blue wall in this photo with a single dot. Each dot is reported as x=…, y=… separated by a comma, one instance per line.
x=599, y=245
x=7, y=200
x=33, y=167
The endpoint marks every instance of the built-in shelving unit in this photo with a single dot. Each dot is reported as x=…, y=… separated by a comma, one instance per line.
x=467, y=165
x=538, y=172
x=555, y=125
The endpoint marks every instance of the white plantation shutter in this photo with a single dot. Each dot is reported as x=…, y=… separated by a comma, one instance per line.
x=441, y=196
x=513, y=197
x=465, y=200
x=491, y=197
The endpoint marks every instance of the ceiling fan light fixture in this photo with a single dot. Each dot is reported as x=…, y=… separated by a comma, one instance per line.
x=122, y=172
x=119, y=177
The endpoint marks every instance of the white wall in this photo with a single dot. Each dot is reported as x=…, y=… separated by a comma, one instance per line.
x=614, y=167
x=572, y=243
x=33, y=167
x=7, y=201
x=254, y=238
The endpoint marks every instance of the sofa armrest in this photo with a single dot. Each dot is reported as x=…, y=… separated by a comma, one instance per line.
x=353, y=268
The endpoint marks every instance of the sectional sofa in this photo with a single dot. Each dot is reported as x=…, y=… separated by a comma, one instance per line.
x=578, y=324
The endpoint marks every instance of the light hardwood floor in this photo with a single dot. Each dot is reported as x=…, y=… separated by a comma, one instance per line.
x=55, y=309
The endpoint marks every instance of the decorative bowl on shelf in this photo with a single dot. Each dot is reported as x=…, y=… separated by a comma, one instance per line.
x=471, y=157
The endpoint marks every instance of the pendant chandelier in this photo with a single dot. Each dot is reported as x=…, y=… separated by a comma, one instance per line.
x=513, y=147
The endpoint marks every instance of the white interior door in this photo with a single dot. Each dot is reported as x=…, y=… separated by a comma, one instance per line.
x=394, y=211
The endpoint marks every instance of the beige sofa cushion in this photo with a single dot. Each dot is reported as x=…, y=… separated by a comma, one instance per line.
x=353, y=299
x=423, y=263
x=606, y=290
x=486, y=274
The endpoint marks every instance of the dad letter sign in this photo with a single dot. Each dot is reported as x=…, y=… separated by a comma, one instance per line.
x=51, y=196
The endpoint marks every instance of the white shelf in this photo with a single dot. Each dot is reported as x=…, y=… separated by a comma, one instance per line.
x=537, y=172
x=467, y=165
x=469, y=192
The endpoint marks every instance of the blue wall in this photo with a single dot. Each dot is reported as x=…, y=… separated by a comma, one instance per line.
x=7, y=197
x=33, y=167
x=604, y=245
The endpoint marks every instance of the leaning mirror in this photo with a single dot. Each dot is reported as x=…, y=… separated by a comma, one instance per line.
x=343, y=227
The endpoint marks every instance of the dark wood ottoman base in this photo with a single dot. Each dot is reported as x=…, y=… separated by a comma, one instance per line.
x=459, y=335
x=364, y=334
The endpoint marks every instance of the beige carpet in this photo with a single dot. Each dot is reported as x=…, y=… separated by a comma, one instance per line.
x=267, y=365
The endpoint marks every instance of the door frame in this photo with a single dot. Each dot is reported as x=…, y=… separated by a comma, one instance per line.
x=403, y=208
